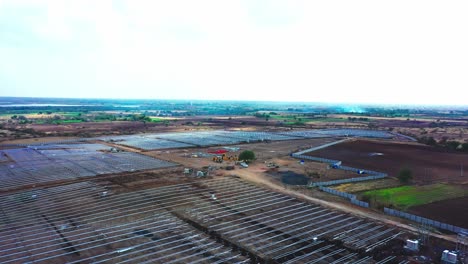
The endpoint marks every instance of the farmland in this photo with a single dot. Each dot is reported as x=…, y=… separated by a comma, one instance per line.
x=404, y=197
x=451, y=211
x=428, y=164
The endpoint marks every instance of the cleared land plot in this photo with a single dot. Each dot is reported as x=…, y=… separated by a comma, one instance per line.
x=451, y=211
x=404, y=197
x=312, y=171
x=184, y=223
x=428, y=164
x=283, y=148
x=41, y=164
x=272, y=151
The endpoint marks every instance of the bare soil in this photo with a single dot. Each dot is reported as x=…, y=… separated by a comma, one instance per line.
x=428, y=164
x=451, y=211
x=36, y=140
x=367, y=185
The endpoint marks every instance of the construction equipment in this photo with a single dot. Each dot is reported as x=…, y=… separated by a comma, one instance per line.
x=218, y=159
x=224, y=157
x=244, y=165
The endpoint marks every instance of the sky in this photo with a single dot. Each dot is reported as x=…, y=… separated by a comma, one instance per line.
x=399, y=51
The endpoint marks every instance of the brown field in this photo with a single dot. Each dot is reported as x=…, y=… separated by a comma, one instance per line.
x=36, y=140
x=277, y=151
x=91, y=129
x=367, y=185
x=451, y=211
x=428, y=164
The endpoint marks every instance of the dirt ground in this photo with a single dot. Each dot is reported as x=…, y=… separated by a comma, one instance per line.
x=367, y=185
x=263, y=151
x=451, y=211
x=114, y=127
x=450, y=133
x=274, y=152
x=91, y=129
x=429, y=165
x=37, y=140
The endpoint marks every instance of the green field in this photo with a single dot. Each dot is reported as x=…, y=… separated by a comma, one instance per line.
x=292, y=119
x=158, y=120
x=407, y=196
x=68, y=121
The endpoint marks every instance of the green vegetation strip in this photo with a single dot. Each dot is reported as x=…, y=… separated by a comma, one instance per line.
x=407, y=196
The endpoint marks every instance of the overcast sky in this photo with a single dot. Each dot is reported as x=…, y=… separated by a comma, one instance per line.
x=320, y=51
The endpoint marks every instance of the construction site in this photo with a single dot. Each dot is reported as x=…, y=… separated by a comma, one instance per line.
x=188, y=198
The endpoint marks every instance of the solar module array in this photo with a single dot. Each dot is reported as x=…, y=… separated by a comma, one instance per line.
x=256, y=135
x=75, y=224
x=214, y=221
x=222, y=137
x=305, y=134
x=317, y=133
x=193, y=139
x=40, y=164
x=204, y=138
x=154, y=143
x=355, y=133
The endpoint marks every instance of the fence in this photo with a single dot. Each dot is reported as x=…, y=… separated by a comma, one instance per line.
x=335, y=182
x=349, y=196
x=360, y=203
x=338, y=193
x=372, y=173
x=426, y=221
x=375, y=175
x=405, y=136
x=322, y=146
x=298, y=156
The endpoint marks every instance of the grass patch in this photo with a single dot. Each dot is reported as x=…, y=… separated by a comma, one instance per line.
x=70, y=114
x=68, y=121
x=158, y=120
x=404, y=197
x=327, y=119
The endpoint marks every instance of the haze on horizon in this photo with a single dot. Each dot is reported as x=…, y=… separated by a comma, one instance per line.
x=393, y=52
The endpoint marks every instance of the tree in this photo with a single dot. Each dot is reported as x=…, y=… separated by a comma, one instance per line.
x=464, y=147
x=405, y=175
x=452, y=144
x=247, y=155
